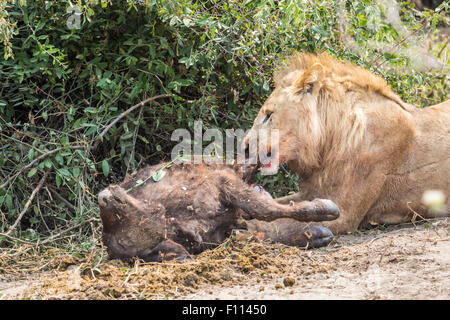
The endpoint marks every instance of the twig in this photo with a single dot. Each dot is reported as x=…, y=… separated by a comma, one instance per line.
x=123, y=114
x=43, y=156
x=25, y=208
x=377, y=238
x=415, y=215
x=15, y=239
x=49, y=239
x=136, y=267
x=40, y=213
x=442, y=50
x=61, y=198
x=396, y=45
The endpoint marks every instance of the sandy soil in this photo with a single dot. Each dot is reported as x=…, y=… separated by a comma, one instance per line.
x=402, y=263
x=398, y=262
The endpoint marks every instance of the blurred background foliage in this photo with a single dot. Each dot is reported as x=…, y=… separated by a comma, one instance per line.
x=60, y=87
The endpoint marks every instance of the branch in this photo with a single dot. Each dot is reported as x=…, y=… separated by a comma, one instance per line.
x=25, y=208
x=43, y=156
x=395, y=45
x=123, y=114
x=51, y=238
x=61, y=198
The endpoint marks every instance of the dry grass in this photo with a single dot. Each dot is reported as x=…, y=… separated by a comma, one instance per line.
x=68, y=277
x=56, y=273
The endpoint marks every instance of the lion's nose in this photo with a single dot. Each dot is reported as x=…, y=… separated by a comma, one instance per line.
x=104, y=197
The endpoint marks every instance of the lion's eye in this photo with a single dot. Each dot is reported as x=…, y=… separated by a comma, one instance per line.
x=309, y=88
x=268, y=115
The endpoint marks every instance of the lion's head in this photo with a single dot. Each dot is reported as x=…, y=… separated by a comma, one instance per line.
x=316, y=108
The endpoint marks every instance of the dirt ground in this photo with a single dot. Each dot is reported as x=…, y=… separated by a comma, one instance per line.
x=397, y=262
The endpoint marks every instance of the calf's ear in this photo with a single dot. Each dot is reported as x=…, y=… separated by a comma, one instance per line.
x=306, y=82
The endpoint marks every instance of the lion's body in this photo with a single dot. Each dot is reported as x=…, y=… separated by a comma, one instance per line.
x=426, y=166
x=352, y=140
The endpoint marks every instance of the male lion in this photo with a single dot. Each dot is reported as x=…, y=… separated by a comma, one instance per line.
x=352, y=140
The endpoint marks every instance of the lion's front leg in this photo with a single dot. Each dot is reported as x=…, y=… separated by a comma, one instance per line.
x=296, y=197
x=345, y=223
x=352, y=213
x=353, y=196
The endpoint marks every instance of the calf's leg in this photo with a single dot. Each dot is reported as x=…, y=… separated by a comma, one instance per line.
x=292, y=233
x=261, y=207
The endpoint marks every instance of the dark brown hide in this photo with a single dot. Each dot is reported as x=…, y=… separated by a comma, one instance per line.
x=195, y=207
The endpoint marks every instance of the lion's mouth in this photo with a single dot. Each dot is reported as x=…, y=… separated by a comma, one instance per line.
x=267, y=165
x=271, y=167
x=270, y=163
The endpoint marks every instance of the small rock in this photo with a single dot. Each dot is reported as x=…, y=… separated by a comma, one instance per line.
x=74, y=279
x=288, y=282
x=71, y=267
x=190, y=280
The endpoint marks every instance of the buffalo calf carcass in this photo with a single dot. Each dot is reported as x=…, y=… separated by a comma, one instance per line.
x=170, y=211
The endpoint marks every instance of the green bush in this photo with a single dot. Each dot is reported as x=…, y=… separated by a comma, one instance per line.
x=61, y=87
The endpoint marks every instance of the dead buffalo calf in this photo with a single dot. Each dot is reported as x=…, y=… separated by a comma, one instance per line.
x=166, y=212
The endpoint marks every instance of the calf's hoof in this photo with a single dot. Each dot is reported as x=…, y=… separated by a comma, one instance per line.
x=317, y=236
x=164, y=251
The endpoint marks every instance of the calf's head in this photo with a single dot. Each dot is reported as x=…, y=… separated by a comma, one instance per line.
x=130, y=227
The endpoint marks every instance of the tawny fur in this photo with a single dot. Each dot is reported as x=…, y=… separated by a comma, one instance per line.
x=351, y=139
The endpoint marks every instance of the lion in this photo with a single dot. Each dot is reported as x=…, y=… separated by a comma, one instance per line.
x=352, y=140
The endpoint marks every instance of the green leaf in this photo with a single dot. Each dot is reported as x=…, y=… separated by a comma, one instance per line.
x=64, y=172
x=158, y=175
x=76, y=172
x=32, y=172
x=59, y=159
x=58, y=180
x=9, y=202
x=47, y=163
x=105, y=168
x=31, y=154
x=90, y=110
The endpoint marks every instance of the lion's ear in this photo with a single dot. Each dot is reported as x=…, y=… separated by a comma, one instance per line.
x=306, y=81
